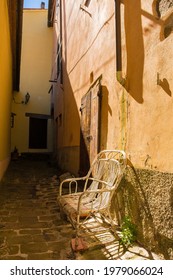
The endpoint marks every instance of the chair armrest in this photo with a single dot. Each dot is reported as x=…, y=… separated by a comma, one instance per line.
x=70, y=181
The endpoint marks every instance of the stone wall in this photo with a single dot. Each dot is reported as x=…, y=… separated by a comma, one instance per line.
x=147, y=197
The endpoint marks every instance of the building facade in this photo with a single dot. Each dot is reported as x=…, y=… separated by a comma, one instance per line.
x=112, y=88
x=10, y=37
x=31, y=105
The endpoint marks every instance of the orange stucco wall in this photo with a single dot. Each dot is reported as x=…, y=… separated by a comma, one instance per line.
x=136, y=116
x=5, y=87
x=82, y=58
x=149, y=101
x=89, y=46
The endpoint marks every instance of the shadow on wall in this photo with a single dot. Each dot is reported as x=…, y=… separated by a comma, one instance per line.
x=84, y=157
x=105, y=110
x=138, y=198
x=135, y=49
x=73, y=153
x=165, y=86
x=67, y=126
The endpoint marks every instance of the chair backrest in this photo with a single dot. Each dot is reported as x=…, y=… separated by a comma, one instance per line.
x=108, y=166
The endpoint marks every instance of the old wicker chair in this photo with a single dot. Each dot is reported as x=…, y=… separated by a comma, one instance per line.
x=99, y=185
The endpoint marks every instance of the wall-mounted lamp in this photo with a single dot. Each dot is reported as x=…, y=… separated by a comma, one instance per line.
x=25, y=101
x=27, y=97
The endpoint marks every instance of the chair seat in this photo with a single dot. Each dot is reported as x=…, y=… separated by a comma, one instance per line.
x=69, y=204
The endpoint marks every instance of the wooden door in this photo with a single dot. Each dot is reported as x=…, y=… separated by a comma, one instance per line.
x=37, y=133
x=90, y=126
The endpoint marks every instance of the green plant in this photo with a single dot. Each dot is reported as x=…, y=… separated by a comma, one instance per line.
x=128, y=232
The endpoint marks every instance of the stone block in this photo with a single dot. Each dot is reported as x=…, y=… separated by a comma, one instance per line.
x=34, y=248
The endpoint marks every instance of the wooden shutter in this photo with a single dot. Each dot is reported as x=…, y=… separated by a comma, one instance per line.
x=90, y=126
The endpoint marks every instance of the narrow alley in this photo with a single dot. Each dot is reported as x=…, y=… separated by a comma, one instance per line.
x=77, y=78
x=30, y=224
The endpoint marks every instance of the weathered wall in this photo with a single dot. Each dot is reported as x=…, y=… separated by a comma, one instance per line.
x=35, y=74
x=137, y=116
x=147, y=65
x=6, y=87
x=149, y=90
x=147, y=197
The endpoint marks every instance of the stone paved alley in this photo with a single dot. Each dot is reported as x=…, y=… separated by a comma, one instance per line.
x=30, y=223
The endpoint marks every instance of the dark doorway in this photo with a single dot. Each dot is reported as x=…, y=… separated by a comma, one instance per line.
x=37, y=133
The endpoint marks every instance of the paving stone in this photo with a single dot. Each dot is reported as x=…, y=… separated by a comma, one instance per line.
x=4, y=213
x=41, y=256
x=30, y=231
x=47, y=217
x=7, y=233
x=10, y=219
x=57, y=246
x=23, y=212
x=13, y=250
x=38, y=238
x=28, y=219
x=38, y=225
x=31, y=212
x=54, y=211
x=25, y=239
x=51, y=237
x=34, y=248
x=11, y=225
x=13, y=258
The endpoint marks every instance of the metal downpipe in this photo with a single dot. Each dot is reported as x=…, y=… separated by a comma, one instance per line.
x=119, y=77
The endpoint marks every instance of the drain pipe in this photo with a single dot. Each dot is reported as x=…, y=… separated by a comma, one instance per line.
x=119, y=76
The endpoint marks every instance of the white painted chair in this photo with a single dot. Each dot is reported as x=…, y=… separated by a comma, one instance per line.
x=99, y=185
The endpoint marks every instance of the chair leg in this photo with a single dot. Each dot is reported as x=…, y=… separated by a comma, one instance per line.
x=78, y=244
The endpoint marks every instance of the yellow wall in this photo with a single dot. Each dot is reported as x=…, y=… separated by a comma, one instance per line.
x=5, y=87
x=35, y=74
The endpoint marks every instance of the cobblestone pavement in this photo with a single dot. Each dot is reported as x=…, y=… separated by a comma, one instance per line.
x=30, y=224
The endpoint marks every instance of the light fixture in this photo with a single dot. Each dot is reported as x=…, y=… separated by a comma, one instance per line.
x=27, y=97
x=25, y=101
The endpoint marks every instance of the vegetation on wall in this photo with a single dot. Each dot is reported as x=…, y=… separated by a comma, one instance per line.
x=128, y=232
